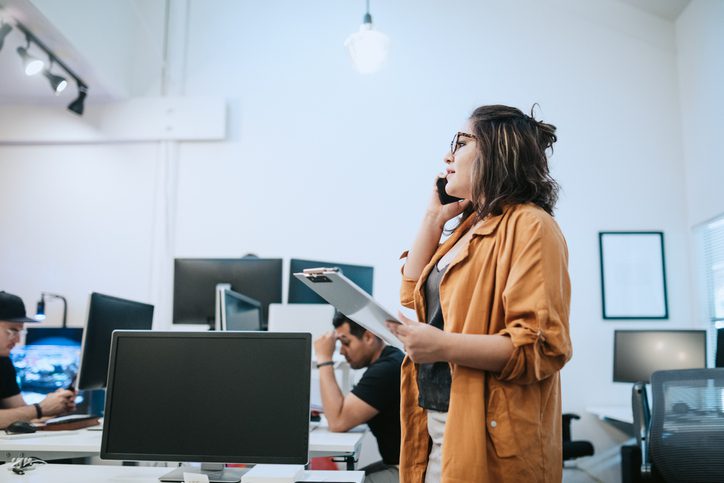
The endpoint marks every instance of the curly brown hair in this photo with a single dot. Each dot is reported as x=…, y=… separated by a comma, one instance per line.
x=511, y=165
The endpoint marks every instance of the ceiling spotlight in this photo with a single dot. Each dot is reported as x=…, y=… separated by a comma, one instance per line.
x=368, y=48
x=77, y=105
x=57, y=82
x=5, y=29
x=32, y=64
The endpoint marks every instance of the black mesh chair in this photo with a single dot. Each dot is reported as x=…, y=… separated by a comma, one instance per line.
x=685, y=437
x=573, y=449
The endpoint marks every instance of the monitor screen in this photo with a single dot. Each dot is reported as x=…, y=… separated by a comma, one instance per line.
x=301, y=294
x=239, y=312
x=48, y=361
x=195, y=280
x=639, y=353
x=243, y=397
x=106, y=314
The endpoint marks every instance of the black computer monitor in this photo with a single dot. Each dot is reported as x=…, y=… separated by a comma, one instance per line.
x=639, y=353
x=106, y=314
x=301, y=294
x=719, y=356
x=48, y=361
x=224, y=397
x=195, y=280
x=239, y=312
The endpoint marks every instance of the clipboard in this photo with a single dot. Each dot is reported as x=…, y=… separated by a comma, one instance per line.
x=351, y=300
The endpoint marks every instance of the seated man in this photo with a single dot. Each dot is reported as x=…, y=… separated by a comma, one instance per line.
x=12, y=405
x=375, y=400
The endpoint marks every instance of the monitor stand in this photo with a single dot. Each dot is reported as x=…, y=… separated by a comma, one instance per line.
x=216, y=472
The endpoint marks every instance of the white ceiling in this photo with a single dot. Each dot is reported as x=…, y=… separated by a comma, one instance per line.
x=666, y=9
x=16, y=88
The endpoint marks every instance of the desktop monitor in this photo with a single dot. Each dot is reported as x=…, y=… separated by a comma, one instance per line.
x=719, y=356
x=639, y=353
x=195, y=280
x=48, y=361
x=239, y=312
x=253, y=388
x=106, y=314
x=300, y=294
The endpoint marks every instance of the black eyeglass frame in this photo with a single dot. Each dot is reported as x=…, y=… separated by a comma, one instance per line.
x=455, y=140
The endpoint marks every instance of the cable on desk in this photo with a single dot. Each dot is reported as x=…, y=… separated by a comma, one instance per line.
x=20, y=465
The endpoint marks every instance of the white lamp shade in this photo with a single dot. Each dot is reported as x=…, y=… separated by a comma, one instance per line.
x=368, y=49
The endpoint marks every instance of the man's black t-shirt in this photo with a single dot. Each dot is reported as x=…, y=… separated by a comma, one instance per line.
x=380, y=388
x=8, y=382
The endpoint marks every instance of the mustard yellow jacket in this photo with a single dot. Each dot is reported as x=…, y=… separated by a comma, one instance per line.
x=512, y=279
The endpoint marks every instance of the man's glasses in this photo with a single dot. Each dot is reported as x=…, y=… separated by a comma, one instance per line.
x=15, y=332
x=456, y=144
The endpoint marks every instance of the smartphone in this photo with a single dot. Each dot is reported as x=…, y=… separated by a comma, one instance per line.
x=445, y=198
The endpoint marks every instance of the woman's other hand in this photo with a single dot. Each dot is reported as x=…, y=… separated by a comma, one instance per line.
x=423, y=343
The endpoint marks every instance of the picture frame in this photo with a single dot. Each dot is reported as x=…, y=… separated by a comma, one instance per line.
x=633, y=275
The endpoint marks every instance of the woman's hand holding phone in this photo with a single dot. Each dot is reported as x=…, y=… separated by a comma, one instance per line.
x=442, y=206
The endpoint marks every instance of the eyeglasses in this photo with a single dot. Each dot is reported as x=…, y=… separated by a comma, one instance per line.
x=456, y=144
x=16, y=332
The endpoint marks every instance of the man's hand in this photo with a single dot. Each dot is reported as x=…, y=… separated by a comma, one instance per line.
x=324, y=347
x=60, y=401
x=423, y=342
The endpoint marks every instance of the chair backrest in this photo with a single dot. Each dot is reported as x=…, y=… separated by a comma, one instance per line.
x=687, y=425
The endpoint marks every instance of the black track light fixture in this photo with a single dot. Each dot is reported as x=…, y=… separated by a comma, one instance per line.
x=31, y=64
x=57, y=82
x=77, y=105
x=5, y=29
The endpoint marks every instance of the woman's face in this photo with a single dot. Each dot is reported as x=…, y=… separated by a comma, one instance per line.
x=460, y=160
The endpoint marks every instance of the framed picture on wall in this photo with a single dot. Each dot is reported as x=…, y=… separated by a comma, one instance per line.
x=633, y=275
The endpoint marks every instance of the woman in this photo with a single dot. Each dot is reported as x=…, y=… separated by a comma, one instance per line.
x=480, y=384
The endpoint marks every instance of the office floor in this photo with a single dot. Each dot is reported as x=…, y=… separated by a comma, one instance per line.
x=574, y=475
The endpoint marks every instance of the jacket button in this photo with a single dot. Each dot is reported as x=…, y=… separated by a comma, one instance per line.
x=493, y=424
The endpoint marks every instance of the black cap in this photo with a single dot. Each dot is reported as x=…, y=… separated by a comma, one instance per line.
x=12, y=309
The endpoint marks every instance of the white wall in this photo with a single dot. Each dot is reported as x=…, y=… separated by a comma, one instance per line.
x=324, y=163
x=700, y=43
x=76, y=219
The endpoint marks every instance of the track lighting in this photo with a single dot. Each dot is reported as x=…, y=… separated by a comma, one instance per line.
x=77, y=105
x=32, y=65
x=5, y=29
x=57, y=82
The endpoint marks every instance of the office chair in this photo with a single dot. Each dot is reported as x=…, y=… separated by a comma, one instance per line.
x=573, y=449
x=683, y=440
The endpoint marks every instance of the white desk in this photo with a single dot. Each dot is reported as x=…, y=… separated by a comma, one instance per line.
x=53, y=445
x=618, y=413
x=137, y=474
x=620, y=417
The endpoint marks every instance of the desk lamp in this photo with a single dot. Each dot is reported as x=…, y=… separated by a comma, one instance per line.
x=40, y=311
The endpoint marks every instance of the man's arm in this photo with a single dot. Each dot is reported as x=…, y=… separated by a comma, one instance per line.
x=16, y=410
x=342, y=413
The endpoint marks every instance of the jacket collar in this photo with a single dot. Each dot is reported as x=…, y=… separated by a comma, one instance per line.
x=488, y=225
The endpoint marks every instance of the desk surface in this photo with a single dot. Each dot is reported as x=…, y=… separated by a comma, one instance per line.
x=50, y=445
x=138, y=474
x=623, y=414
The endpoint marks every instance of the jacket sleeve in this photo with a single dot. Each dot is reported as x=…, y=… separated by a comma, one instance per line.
x=407, y=288
x=536, y=301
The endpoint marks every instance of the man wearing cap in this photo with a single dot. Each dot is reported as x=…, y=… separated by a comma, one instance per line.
x=12, y=405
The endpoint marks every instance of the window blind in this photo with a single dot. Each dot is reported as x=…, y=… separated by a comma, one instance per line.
x=713, y=257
